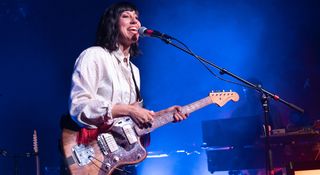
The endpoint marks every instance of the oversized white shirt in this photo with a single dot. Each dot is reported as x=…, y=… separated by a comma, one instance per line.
x=100, y=80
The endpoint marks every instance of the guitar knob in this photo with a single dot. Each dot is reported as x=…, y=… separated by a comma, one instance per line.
x=116, y=159
x=108, y=165
x=138, y=156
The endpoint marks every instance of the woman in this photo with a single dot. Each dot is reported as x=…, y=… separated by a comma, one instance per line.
x=105, y=84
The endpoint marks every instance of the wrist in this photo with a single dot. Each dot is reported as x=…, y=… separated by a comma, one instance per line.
x=122, y=110
x=108, y=117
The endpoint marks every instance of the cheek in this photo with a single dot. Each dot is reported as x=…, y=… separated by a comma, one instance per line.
x=122, y=23
x=122, y=29
x=123, y=26
x=139, y=24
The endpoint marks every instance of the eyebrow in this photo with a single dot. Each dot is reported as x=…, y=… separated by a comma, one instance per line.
x=128, y=12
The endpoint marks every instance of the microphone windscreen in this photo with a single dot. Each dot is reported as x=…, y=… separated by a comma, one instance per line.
x=141, y=31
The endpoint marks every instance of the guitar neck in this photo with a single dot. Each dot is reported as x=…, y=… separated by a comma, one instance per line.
x=165, y=118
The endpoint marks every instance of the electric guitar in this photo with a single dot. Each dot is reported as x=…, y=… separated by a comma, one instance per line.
x=121, y=145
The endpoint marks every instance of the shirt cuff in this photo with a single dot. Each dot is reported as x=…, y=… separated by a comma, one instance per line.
x=108, y=119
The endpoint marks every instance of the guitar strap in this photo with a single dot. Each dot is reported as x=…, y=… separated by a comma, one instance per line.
x=145, y=139
x=139, y=98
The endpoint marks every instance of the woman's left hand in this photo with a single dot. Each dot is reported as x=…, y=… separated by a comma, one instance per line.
x=178, y=114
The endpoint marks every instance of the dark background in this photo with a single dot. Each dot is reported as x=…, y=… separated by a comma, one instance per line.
x=274, y=42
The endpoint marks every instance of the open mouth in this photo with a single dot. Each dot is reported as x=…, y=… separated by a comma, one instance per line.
x=133, y=29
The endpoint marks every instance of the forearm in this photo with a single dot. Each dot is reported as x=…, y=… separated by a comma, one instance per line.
x=119, y=110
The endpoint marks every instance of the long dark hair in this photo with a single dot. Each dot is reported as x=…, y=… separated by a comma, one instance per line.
x=108, y=30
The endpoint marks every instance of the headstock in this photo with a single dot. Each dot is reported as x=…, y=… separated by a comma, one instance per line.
x=221, y=98
x=35, y=142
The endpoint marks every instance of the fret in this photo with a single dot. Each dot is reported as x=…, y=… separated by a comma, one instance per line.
x=197, y=105
x=168, y=117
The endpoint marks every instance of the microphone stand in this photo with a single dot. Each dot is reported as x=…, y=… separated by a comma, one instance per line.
x=264, y=99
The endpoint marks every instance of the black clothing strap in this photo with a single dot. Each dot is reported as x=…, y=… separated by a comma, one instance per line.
x=145, y=139
x=139, y=98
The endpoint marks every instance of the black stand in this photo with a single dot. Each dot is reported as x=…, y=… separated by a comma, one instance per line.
x=267, y=129
x=16, y=164
x=16, y=158
x=264, y=94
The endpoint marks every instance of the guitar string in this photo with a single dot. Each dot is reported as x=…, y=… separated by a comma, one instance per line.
x=91, y=157
x=122, y=170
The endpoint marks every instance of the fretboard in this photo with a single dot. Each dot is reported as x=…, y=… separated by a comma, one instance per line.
x=166, y=118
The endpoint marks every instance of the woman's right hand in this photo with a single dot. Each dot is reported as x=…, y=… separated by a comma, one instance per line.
x=141, y=116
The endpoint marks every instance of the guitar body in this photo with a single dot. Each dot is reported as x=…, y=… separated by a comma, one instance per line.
x=119, y=146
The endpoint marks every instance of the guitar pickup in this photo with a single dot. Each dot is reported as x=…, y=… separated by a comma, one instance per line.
x=130, y=134
x=110, y=141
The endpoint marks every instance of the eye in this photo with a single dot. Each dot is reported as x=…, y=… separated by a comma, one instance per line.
x=124, y=16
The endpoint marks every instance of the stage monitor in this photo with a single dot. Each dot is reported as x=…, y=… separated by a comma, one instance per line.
x=240, y=131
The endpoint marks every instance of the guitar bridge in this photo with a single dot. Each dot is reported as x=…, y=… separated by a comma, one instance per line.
x=82, y=154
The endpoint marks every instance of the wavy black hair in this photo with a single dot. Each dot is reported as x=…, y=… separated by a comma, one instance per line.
x=107, y=35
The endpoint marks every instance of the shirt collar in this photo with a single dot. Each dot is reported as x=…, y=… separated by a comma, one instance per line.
x=120, y=55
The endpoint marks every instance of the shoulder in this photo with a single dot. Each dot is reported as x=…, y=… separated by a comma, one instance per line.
x=92, y=55
x=94, y=51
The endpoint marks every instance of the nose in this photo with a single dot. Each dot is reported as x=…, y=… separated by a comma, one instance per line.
x=134, y=20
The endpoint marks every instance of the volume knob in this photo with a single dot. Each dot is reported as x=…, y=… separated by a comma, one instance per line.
x=108, y=166
x=138, y=156
x=116, y=159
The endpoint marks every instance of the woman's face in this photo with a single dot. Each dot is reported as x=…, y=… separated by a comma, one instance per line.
x=129, y=25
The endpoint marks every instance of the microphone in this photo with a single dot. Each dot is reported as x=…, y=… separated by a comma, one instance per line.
x=143, y=31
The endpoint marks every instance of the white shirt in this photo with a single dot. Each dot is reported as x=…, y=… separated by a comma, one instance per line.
x=100, y=80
